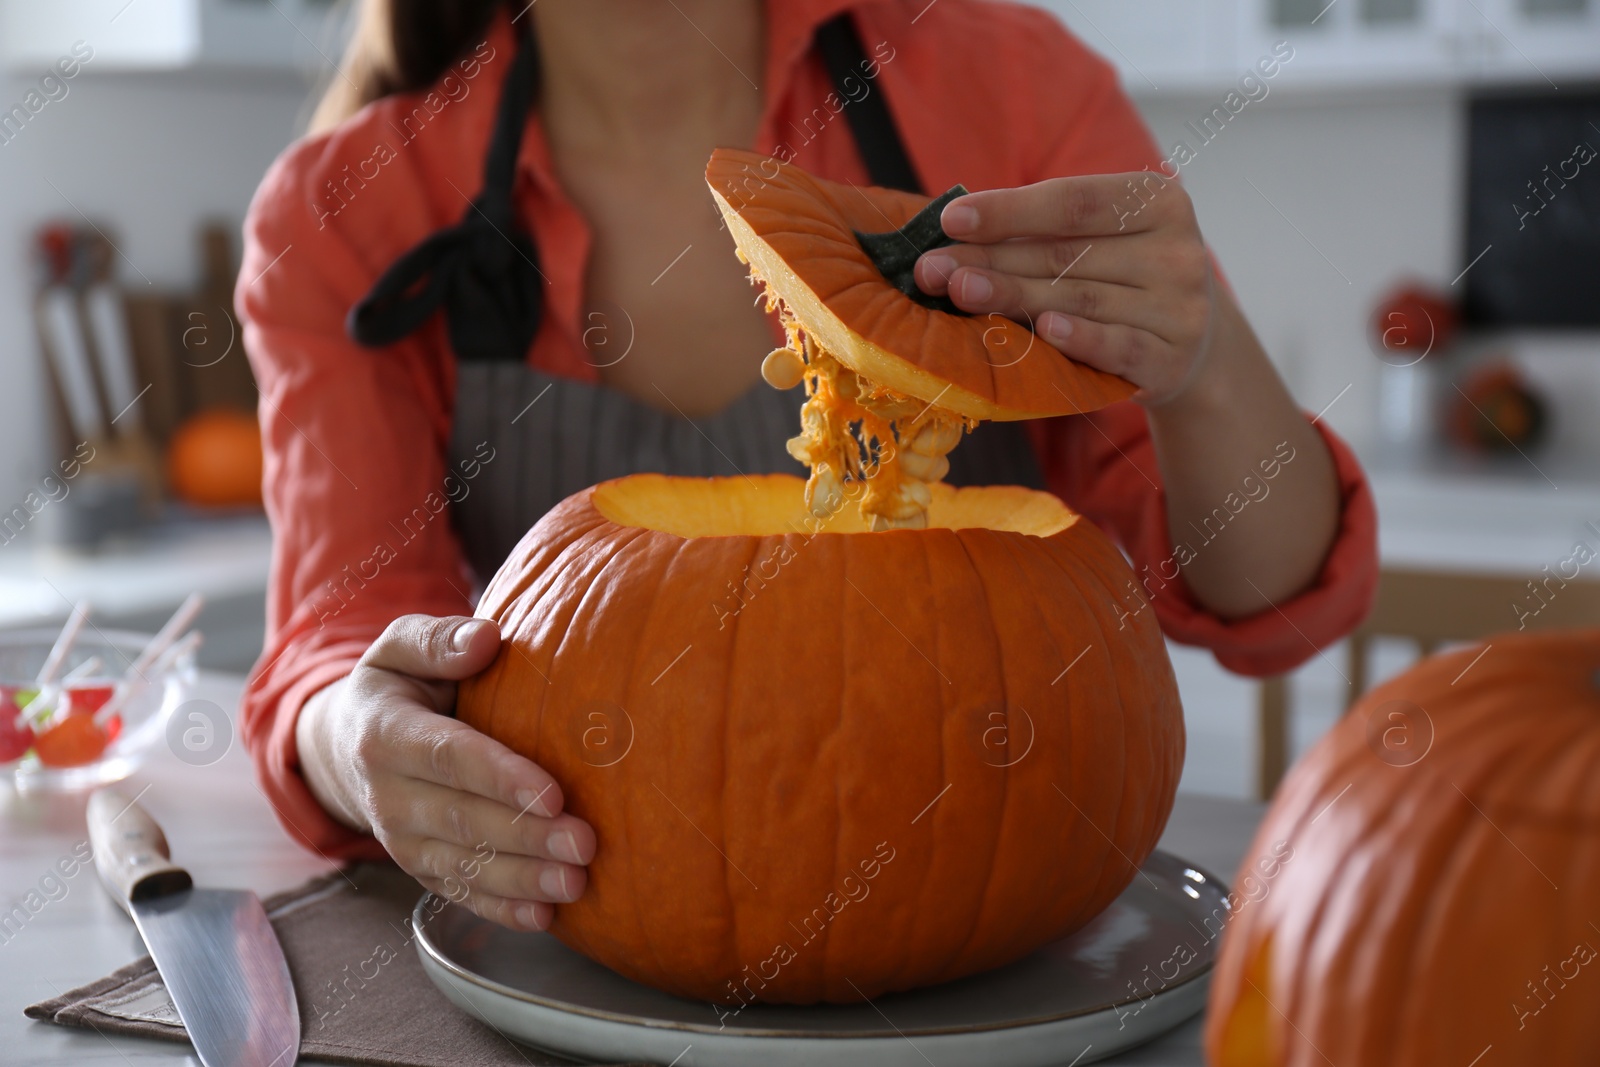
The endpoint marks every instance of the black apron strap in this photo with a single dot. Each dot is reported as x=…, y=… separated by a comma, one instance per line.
x=877, y=137
x=996, y=452
x=484, y=271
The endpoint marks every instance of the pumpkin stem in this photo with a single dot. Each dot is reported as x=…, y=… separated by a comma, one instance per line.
x=895, y=252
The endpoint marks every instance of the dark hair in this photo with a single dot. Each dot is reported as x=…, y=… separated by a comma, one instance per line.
x=399, y=46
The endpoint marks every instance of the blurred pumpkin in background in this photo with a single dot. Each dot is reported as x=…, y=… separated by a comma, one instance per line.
x=214, y=459
x=1438, y=875
x=1496, y=410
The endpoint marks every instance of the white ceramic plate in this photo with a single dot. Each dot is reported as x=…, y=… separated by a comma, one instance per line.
x=1132, y=975
x=1141, y=968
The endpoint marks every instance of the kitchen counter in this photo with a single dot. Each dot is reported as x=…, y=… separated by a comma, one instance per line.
x=216, y=557
x=1512, y=516
x=137, y=583
x=221, y=828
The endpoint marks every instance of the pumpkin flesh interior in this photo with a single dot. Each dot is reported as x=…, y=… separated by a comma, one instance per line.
x=774, y=504
x=864, y=407
x=859, y=434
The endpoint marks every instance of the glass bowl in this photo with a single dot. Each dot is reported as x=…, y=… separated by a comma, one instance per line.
x=75, y=758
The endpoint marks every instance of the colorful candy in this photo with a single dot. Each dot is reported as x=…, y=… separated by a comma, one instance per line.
x=69, y=737
x=71, y=741
x=88, y=699
x=70, y=719
x=15, y=740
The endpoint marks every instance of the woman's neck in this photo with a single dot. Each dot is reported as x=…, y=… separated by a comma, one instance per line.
x=633, y=71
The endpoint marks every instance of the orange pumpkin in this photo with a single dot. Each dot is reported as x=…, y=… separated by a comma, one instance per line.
x=798, y=233
x=893, y=376
x=214, y=459
x=824, y=763
x=1437, y=876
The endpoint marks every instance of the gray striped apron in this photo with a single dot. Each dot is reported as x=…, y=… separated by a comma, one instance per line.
x=553, y=437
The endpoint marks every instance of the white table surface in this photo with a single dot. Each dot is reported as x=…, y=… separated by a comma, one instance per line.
x=220, y=828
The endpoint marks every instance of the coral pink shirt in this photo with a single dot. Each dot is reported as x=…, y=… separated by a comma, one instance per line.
x=990, y=94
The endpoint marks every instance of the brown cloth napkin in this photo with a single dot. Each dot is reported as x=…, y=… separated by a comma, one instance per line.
x=363, y=995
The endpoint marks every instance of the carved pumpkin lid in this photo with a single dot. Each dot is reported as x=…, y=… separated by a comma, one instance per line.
x=799, y=235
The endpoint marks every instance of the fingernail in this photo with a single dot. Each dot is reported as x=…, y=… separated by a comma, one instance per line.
x=1057, y=328
x=940, y=265
x=564, y=846
x=958, y=219
x=975, y=288
x=528, y=915
x=534, y=800
x=461, y=640
x=553, y=880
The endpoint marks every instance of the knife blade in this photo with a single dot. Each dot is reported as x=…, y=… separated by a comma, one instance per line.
x=216, y=951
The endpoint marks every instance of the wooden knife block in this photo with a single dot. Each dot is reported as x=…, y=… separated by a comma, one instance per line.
x=188, y=347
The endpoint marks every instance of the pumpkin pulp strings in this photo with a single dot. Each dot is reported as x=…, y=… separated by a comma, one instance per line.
x=856, y=430
x=852, y=429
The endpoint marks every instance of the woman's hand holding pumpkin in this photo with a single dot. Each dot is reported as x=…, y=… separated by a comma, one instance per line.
x=1109, y=268
x=460, y=812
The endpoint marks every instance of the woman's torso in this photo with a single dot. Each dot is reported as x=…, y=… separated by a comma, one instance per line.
x=532, y=437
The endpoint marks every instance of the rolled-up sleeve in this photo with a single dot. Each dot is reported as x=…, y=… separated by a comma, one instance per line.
x=353, y=480
x=1104, y=465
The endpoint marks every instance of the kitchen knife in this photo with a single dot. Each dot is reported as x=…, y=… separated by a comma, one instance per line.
x=108, y=327
x=217, y=954
x=68, y=348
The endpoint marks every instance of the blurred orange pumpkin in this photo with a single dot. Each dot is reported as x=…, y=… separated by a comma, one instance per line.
x=214, y=459
x=1438, y=869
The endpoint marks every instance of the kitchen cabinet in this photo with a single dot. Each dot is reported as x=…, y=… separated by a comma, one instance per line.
x=1456, y=42
x=1158, y=46
x=1164, y=46
x=1534, y=41
x=1358, y=41
x=169, y=35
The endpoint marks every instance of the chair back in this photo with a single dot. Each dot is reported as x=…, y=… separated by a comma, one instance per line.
x=1431, y=608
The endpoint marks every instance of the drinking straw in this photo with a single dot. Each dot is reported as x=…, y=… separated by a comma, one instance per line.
x=64, y=642
x=163, y=661
x=86, y=669
x=43, y=700
x=167, y=634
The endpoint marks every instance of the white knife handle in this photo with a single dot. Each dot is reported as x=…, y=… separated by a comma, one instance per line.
x=130, y=851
